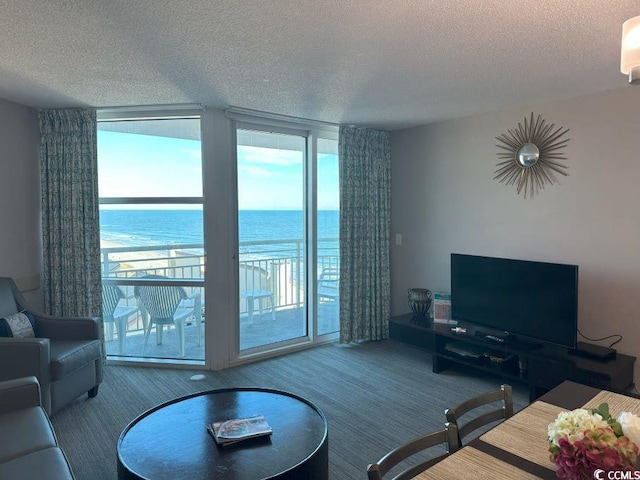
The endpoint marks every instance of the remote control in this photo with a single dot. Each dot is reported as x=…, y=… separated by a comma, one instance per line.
x=494, y=338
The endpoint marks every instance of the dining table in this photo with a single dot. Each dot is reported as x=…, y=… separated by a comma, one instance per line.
x=518, y=447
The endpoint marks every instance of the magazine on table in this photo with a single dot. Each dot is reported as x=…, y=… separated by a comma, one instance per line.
x=236, y=430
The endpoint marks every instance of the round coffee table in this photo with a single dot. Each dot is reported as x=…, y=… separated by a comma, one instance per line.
x=170, y=441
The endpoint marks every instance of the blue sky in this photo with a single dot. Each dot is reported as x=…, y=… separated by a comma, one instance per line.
x=133, y=165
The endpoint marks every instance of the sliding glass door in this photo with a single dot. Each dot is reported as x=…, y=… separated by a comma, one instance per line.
x=284, y=240
x=271, y=234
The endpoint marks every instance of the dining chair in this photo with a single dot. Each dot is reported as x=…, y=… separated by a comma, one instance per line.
x=167, y=305
x=498, y=413
x=113, y=313
x=447, y=436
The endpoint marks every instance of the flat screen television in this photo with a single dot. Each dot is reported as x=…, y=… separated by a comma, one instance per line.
x=534, y=300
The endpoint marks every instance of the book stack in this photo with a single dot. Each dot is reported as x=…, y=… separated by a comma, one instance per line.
x=228, y=432
x=442, y=308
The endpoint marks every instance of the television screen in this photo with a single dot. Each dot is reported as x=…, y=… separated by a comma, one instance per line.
x=524, y=298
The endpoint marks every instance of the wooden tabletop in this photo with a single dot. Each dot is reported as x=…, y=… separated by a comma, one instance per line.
x=171, y=441
x=518, y=447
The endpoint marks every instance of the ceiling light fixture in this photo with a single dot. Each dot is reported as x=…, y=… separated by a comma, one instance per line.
x=630, y=54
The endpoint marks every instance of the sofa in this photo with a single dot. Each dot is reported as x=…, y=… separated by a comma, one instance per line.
x=28, y=444
x=65, y=354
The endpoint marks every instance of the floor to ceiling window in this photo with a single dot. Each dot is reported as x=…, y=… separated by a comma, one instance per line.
x=151, y=231
x=272, y=283
x=288, y=263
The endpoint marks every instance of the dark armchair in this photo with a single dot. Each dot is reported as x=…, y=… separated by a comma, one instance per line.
x=65, y=355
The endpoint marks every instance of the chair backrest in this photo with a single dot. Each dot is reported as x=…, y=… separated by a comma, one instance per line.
x=328, y=283
x=253, y=277
x=160, y=301
x=503, y=411
x=447, y=436
x=111, y=295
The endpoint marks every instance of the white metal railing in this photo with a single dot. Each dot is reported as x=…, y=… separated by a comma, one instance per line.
x=275, y=265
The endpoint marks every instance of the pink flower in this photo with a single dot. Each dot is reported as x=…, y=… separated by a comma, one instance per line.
x=583, y=441
x=599, y=449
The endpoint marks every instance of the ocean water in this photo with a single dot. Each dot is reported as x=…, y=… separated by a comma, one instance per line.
x=169, y=227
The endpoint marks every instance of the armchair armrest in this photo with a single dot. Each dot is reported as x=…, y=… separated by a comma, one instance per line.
x=67, y=328
x=24, y=357
x=19, y=393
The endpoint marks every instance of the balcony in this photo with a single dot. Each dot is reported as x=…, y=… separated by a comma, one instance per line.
x=271, y=286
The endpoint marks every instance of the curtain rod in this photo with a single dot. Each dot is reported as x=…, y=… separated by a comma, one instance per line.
x=152, y=108
x=139, y=112
x=237, y=111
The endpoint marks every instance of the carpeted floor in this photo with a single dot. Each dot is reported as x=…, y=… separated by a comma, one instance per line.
x=375, y=396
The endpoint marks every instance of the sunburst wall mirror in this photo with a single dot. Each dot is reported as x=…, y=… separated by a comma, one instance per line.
x=531, y=155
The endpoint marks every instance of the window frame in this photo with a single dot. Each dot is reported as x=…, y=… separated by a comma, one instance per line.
x=151, y=113
x=243, y=119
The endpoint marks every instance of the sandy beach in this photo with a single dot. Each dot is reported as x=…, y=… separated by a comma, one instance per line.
x=136, y=260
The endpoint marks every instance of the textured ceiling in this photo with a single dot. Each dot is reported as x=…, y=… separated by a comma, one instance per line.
x=380, y=63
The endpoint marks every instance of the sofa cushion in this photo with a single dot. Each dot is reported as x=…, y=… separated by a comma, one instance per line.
x=49, y=463
x=7, y=301
x=24, y=431
x=69, y=356
x=18, y=325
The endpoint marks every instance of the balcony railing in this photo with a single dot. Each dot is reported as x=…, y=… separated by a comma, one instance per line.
x=276, y=266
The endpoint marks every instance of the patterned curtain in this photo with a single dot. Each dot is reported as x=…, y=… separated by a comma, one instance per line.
x=365, y=218
x=70, y=221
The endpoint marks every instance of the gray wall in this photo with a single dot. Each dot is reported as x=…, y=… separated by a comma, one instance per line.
x=444, y=200
x=20, y=235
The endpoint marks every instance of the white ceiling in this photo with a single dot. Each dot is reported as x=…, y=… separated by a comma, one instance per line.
x=381, y=63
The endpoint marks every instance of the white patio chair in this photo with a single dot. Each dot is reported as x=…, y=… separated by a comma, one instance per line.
x=113, y=313
x=166, y=305
x=329, y=285
x=255, y=286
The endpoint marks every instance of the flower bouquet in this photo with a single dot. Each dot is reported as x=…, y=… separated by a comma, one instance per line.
x=582, y=442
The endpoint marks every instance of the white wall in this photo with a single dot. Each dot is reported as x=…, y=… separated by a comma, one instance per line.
x=20, y=233
x=444, y=200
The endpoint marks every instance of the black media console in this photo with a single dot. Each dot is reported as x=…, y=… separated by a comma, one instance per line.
x=540, y=367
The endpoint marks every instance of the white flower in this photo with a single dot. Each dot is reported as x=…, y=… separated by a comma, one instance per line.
x=571, y=425
x=630, y=424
